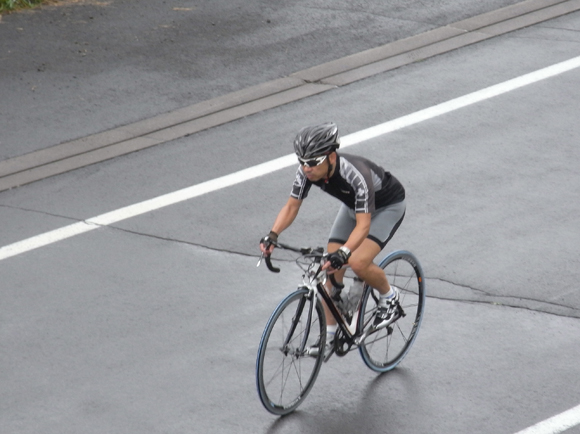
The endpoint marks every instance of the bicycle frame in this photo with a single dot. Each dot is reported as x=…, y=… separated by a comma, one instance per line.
x=314, y=283
x=350, y=330
x=289, y=357
x=316, y=287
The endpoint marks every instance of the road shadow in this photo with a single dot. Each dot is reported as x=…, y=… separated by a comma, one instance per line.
x=369, y=414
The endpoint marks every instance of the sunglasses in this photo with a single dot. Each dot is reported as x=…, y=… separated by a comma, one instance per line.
x=312, y=162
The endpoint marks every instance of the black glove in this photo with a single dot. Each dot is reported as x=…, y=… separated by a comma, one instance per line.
x=339, y=258
x=268, y=240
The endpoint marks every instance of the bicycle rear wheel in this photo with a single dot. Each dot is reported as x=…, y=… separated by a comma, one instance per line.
x=285, y=374
x=385, y=348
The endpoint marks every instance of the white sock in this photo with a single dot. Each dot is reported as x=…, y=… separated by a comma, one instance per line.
x=383, y=298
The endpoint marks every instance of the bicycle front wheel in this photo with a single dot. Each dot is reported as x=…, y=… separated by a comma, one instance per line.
x=285, y=373
x=385, y=348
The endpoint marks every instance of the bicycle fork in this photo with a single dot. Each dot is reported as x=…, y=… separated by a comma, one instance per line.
x=300, y=351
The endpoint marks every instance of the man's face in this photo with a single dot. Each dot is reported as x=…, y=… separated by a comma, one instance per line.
x=316, y=169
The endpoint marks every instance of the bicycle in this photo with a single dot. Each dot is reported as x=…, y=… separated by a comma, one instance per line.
x=285, y=369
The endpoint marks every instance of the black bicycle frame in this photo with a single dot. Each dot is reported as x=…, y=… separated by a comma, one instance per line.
x=333, y=310
x=329, y=302
x=336, y=314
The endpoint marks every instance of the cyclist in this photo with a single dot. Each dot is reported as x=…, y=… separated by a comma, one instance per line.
x=373, y=207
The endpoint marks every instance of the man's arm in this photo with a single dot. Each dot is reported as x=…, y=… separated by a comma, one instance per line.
x=287, y=215
x=285, y=218
x=360, y=231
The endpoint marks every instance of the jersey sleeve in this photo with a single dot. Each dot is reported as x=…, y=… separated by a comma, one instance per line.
x=360, y=178
x=301, y=185
x=364, y=194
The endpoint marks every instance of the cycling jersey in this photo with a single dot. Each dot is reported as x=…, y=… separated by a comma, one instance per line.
x=359, y=183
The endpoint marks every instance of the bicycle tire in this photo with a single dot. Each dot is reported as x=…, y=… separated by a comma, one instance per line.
x=283, y=376
x=384, y=349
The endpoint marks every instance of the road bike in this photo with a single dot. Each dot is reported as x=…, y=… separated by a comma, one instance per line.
x=286, y=368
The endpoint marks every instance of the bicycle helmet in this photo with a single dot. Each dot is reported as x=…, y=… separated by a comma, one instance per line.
x=317, y=140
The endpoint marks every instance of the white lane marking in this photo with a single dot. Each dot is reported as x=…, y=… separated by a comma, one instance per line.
x=159, y=202
x=556, y=424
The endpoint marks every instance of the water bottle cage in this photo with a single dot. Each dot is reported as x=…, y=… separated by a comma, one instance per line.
x=335, y=295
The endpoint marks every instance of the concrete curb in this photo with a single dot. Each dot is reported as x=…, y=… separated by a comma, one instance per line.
x=119, y=141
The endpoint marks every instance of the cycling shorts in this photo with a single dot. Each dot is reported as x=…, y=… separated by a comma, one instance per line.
x=384, y=223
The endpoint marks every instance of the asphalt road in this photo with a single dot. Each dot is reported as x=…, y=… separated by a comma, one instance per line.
x=80, y=68
x=152, y=324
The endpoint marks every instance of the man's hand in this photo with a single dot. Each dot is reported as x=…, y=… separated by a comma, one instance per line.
x=336, y=260
x=267, y=243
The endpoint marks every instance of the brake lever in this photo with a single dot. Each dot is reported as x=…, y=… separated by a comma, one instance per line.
x=268, y=261
x=260, y=261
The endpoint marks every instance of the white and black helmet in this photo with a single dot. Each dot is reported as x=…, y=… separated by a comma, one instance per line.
x=317, y=140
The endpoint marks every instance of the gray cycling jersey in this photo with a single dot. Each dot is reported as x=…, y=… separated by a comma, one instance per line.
x=359, y=183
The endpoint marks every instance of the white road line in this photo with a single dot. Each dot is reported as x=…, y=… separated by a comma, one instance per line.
x=556, y=424
x=159, y=202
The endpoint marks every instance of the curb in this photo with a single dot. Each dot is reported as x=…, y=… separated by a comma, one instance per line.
x=166, y=127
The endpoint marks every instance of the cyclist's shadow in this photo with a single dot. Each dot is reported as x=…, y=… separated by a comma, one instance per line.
x=372, y=410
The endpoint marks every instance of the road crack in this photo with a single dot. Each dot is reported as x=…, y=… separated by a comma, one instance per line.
x=478, y=295
x=179, y=241
x=437, y=288
x=45, y=213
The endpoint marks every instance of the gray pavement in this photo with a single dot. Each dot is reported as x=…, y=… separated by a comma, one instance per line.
x=80, y=68
x=111, y=142
x=144, y=349
x=152, y=325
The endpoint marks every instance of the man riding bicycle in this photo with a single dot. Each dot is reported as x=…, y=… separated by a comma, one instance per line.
x=372, y=211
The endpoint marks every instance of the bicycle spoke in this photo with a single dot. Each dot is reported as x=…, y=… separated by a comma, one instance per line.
x=285, y=374
x=385, y=348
